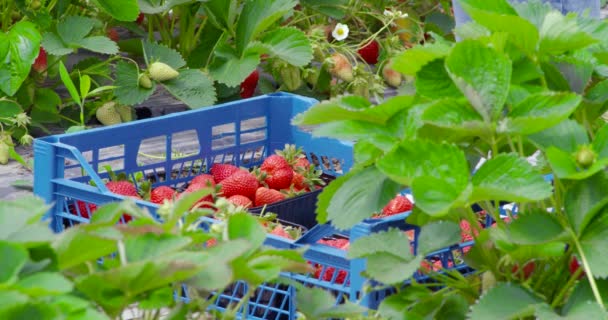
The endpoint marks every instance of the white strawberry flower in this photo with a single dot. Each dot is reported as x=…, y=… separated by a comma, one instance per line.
x=340, y=32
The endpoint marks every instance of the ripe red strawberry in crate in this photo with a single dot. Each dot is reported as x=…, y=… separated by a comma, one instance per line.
x=329, y=274
x=265, y=195
x=40, y=64
x=124, y=188
x=82, y=208
x=370, y=52
x=249, y=84
x=204, y=179
x=242, y=183
x=280, y=231
x=339, y=243
x=299, y=182
x=397, y=205
x=159, y=194
x=240, y=200
x=302, y=163
x=221, y=171
x=278, y=172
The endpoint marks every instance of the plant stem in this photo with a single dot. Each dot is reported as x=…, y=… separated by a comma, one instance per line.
x=562, y=293
x=585, y=263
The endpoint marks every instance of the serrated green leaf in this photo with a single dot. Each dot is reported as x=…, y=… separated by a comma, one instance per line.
x=229, y=68
x=359, y=197
x=510, y=178
x=156, y=7
x=492, y=305
x=600, y=142
x=14, y=258
x=158, y=52
x=587, y=310
x=20, y=48
x=482, y=74
x=127, y=89
x=210, y=37
x=247, y=227
x=555, y=79
x=390, y=269
x=288, y=44
x=336, y=9
x=567, y=136
x=411, y=61
x=392, y=241
x=99, y=44
x=540, y=111
x=593, y=240
x=256, y=17
x=84, y=243
x=438, y=235
x=54, y=45
x=559, y=34
x=73, y=29
x=122, y=10
x=433, y=81
x=564, y=165
x=192, y=87
x=471, y=30
x=435, y=197
x=525, y=230
x=496, y=6
x=583, y=294
x=533, y=11
x=584, y=200
x=221, y=13
x=150, y=246
x=577, y=70
x=599, y=92
x=325, y=197
x=457, y=116
x=44, y=283
x=46, y=110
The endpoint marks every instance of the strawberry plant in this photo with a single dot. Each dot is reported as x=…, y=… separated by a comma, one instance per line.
x=510, y=114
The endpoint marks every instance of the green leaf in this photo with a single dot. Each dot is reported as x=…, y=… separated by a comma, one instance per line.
x=68, y=83
x=540, y=111
x=221, y=13
x=456, y=115
x=433, y=81
x=411, y=61
x=584, y=200
x=336, y=9
x=564, y=165
x=559, y=34
x=54, y=45
x=256, y=17
x=582, y=295
x=525, y=230
x=84, y=243
x=210, y=37
x=150, y=245
x=157, y=52
x=577, y=70
x=533, y=11
x=599, y=92
x=9, y=108
x=231, y=69
x=128, y=91
x=99, y=44
x=435, y=197
x=593, y=241
x=288, y=44
x=352, y=130
x=85, y=85
x=156, y=7
x=20, y=48
x=245, y=226
x=316, y=303
x=73, y=29
x=588, y=309
x=521, y=303
x=359, y=197
x=31, y=310
x=122, y=10
x=567, y=136
x=600, y=142
x=510, y=178
x=192, y=87
x=555, y=79
x=44, y=283
x=14, y=258
x=482, y=74
x=496, y=6
x=46, y=103
x=438, y=235
x=325, y=197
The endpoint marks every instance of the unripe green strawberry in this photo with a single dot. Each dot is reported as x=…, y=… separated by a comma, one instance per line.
x=36, y=4
x=125, y=112
x=292, y=77
x=162, y=72
x=392, y=77
x=312, y=76
x=488, y=281
x=585, y=157
x=360, y=87
x=340, y=67
x=4, y=152
x=144, y=81
x=107, y=114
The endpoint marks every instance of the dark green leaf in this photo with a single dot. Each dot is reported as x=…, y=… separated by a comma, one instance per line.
x=158, y=52
x=434, y=81
x=31, y=310
x=221, y=13
x=482, y=74
x=437, y=235
x=522, y=33
x=359, y=196
x=44, y=283
x=73, y=29
x=600, y=142
x=525, y=229
x=122, y=10
x=14, y=258
x=586, y=310
x=540, y=111
x=288, y=44
x=593, y=240
x=583, y=295
x=435, y=197
x=411, y=61
x=326, y=196
x=555, y=79
x=599, y=92
x=9, y=109
x=256, y=17
x=99, y=44
x=127, y=90
x=200, y=57
x=46, y=106
x=192, y=87
x=336, y=9
x=150, y=245
x=156, y=7
x=231, y=69
x=23, y=43
x=521, y=303
x=559, y=34
x=584, y=200
x=511, y=178
x=567, y=136
x=577, y=70
x=457, y=116
x=245, y=226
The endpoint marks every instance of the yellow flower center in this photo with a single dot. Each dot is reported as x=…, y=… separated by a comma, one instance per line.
x=340, y=31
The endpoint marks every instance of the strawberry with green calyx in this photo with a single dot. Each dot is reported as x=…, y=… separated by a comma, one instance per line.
x=144, y=81
x=160, y=72
x=307, y=179
x=40, y=64
x=107, y=114
x=278, y=172
x=391, y=76
x=340, y=67
x=291, y=154
x=290, y=74
x=370, y=52
x=221, y=171
x=311, y=75
x=249, y=85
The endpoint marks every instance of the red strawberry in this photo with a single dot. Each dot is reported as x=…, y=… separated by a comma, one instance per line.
x=341, y=67
x=249, y=84
x=301, y=164
x=140, y=18
x=82, y=208
x=426, y=267
x=267, y=196
x=124, y=188
x=242, y=183
x=40, y=64
x=329, y=274
x=205, y=201
x=162, y=193
x=221, y=171
x=280, y=231
x=240, y=200
x=574, y=266
x=299, y=182
x=369, y=52
x=113, y=35
x=339, y=243
x=204, y=179
x=279, y=173
x=210, y=243
x=397, y=205
x=528, y=269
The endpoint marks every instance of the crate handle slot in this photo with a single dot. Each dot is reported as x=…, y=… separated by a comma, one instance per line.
x=317, y=233
x=76, y=155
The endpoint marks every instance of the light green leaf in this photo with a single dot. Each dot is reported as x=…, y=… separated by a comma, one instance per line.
x=99, y=44
x=564, y=165
x=326, y=196
x=54, y=45
x=46, y=110
x=155, y=6
x=584, y=200
x=68, y=83
x=247, y=227
x=85, y=85
x=256, y=17
x=433, y=81
x=288, y=44
x=567, y=136
x=593, y=241
x=435, y=197
x=600, y=142
x=392, y=241
x=73, y=29
x=457, y=116
x=482, y=74
x=192, y=87
x=150, y=246
x=510, y=178
x=84, y=243
x=336, y=9
x=157, y=52
x=471, y=30
x=533, y=11
x=525, y=229
x=540, y=111
x=522, y=33
x=560, y=34
x=496, y=6
x=221, y=12
x=122, y=10
x=411, y=61
x=438, y=235
x=316, y=303
x=127, y=90
x=230, y=69
x=14, y=258
x=359, y=197
x=521, y=303
x=390, y=269
x=44, y=283
x=23, y=43
x=582, y=295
